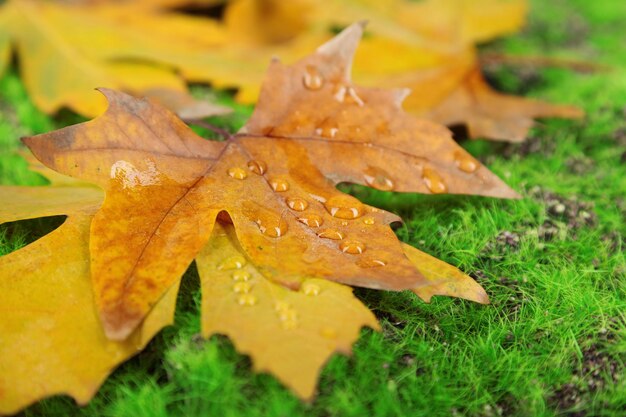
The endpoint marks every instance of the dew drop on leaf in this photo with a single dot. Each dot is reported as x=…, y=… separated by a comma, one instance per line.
x=371, y=263
x=279, y=184
x=312, y=220
x=330, y=234
x=353, y=247
x=238, y=173
x=258, y=167
x=312, y=79
x=288, y=318
x=433, y=181
x=272, y=226
x=242, y=287
x=297, y=204
x=241, y=276
x=465, y=162
x=327, y=131
x=234, y=262
x=310, y=289
x=378, y=179
x=344, y=207
x=348, y=95
x=369, y=221
x=247, y=299
x=281, y=306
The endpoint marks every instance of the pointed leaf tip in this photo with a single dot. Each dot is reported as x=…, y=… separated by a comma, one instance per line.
x=343, y=46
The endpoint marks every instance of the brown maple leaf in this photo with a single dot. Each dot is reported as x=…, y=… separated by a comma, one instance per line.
x=259, y=212
x=428, y=46
x=311, y=130
x=148, y=48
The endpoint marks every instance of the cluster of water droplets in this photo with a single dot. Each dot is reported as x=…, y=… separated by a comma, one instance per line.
x=242, y=286
x=313, y=80
x=286, y=313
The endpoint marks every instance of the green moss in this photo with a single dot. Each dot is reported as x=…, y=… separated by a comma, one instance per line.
x=558, y=299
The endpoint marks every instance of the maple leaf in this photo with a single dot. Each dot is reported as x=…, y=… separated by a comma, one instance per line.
x=275, y=242
x=65, y=51
x=311, y=130
x=435, y=40
x=51, y=341
x=69, y=49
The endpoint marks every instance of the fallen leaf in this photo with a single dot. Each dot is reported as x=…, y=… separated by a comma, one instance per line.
x=443, y=278
x=292, y=231
x=185, y=106
x=165, y=186
x=51, y=340
x=290, y=334
x=65, y=51
x=69, y=49
x=485, y=112
x=434, y=38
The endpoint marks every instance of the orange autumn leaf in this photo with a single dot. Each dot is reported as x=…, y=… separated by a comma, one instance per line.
x=51, y=340
x=427, y=46
x=285, y=244
x=311, y=130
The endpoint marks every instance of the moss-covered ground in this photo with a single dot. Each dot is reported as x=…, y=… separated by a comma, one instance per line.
x=553, y=341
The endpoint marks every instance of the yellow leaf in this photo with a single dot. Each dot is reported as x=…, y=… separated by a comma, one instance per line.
x=51, y=339
x=290, y=334
x=443, y=279
x=66, y=51
x=284, y=234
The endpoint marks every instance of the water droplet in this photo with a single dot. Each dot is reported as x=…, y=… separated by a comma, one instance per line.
x=312, y=79
x=242, y=287
x=347, y=95
x=247, y=299
x=369, y=221
x=312, y=220
x=377, y=178
x=297, y=204
x=281, y=306
x=371, y=262
x=352, y=97
x=328, y=333
x=331, y=132
x=241, y=276
x=287, y=314
x=310, y=289
x=353, y=247
x=433, y=181
x=258, y=167
x=272, y=226
x=279, y=184
x=234, y=262
x=328, y=129
x=237, y=173
x=344, y=207
x=330, y=234
x=288, y=318
x=344, y=223
x=465, y=162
